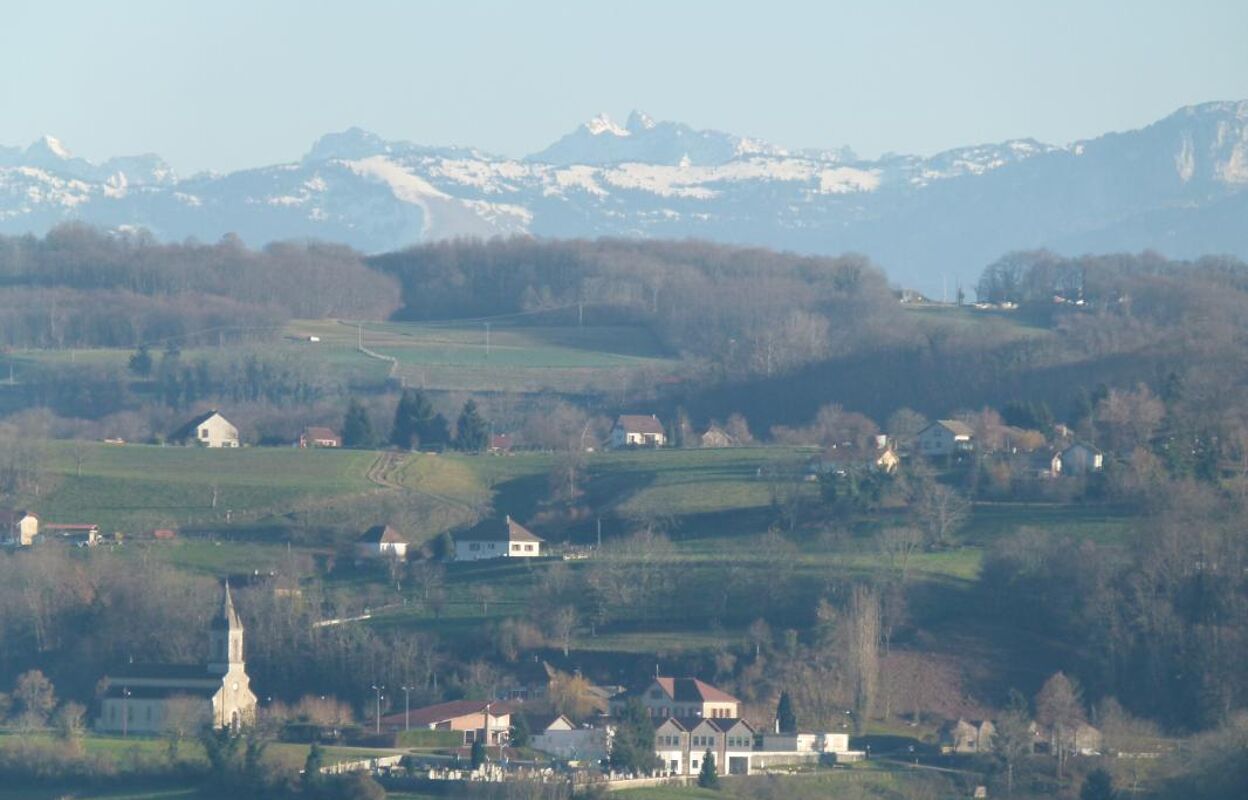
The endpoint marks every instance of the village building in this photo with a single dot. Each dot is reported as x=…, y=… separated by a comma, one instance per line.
x=501, y=443
x=1076, y=461
x=968, y=736
x=681, y=697
x=561, y=737
x=945, y=437
x=716, y=436
x=381, y=541
x=82, y=534
x=148, y=698
x=18, y=528
x=209, y=429
x=478, y=720
x=637, y=430
x=317, y=436
x=497, y=538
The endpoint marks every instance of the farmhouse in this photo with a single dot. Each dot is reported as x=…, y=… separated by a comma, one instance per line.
x=316, y=436
x=945, y=437
x=146, y=698
x=83, y=534
x=381, y=541
x=497, y=538
x=209, y=429
x=637, y=430
x=18, y=527
x=716, y=436
x=1076, y=461
x=479, y=720
x=681, y=697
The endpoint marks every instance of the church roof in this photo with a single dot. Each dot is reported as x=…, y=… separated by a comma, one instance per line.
x=118, y=690
x=227, y=617
x=162, y=672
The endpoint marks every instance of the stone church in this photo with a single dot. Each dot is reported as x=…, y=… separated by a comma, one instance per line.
x=150, y=698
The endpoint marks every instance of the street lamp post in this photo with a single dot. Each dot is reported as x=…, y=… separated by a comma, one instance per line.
x=125, y=711
x=407, y=707
x=377, y=690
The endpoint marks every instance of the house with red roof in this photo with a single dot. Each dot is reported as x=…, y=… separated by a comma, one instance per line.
x=480, y=720
x=681, y=697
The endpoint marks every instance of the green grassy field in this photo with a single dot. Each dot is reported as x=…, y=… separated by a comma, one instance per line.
x=521, y=357
x=134, y=488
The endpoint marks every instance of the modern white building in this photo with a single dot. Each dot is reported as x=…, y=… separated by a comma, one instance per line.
x=209, y=429
x=638, y=430
x=381, y=541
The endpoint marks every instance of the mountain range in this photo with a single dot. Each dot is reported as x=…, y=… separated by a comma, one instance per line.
x=1179, y=186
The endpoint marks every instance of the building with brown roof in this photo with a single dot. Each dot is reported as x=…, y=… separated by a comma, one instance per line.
x=485, y=720
x=316, y=436
x=381, y=541
x=497, y=538
x=638, y=430
x=681, y=697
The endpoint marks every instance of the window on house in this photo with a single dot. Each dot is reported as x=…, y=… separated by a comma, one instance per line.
x=203, y=433
x=528, y=548
x=474, y=546
x=515, y=548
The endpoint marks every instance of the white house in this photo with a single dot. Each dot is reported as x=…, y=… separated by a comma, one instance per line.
x=637, y=430
x=1077, y=460
x=209, y=429
x=562, y=738
x=18, y=527
x=497, y=538
x=381, y=541
x=945, y=437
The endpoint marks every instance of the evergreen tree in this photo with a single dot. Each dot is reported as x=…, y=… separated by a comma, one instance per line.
x=437, y=433
x=1099, y=785
x=413, y=418
x=472, y=433
x=708, y=777
x=785, y=718
x=141, y=362
x=632, y=747
x=478, y=753
x=312, y=765
x=357, y=428
x=520, y=733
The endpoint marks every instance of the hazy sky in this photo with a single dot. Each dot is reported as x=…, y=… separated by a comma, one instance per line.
x=221, y=84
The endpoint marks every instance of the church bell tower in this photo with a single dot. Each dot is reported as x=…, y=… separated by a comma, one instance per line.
x=225, y=639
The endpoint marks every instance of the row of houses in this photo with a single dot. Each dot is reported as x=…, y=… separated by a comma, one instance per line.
x=690, y=718
x=492, y=538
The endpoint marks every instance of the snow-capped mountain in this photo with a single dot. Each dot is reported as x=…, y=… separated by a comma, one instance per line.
x=1178, y=186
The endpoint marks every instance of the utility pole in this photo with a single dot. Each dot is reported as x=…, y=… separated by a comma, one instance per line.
x=125, y=711
x=407, y=708
x=359, y=336
x=487, y=340
x=580, y=315
x=377, y=691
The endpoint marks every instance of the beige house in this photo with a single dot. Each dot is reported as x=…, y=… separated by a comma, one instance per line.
x=638, y=430
x=681, y=697
x=496, y=538
x=716, y=436
x=945, y=437
x=151, y=698
x=968, y=736
x=479, y=720
x=209, y=429
x=18, y=527
x=381, y=541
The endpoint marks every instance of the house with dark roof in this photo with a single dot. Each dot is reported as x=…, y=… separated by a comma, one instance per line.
x=945, y=437
x=497, y=538
x=480, y=720
x=681, y=743
x=681, y=697
x=637, y=430
x=146, y=698
x=561, y=737
x=209, y=429
x=381, y=541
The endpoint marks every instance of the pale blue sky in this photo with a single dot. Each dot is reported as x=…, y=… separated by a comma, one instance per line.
x=220, y=84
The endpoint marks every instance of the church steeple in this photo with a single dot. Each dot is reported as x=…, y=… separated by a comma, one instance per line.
x=225, y=638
